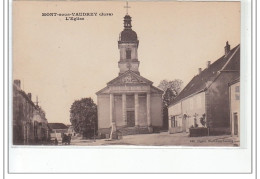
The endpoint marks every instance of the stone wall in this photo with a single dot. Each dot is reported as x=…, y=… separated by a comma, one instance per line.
x=217, y=102
x=194, y=107
x=103, y=111
x=156, y=110
x=26, y=130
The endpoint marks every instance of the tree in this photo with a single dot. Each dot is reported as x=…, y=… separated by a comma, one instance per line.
x=83, y=116
x=203, y=120
x=168, y=97
x=171, y=90
x=174, y=85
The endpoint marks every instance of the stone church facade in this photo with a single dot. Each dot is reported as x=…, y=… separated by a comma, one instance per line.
x=129, y=103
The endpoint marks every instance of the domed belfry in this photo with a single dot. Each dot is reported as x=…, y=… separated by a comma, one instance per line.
x=128, y=45
x=129, y=104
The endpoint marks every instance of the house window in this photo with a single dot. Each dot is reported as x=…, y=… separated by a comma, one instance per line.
x=237, y=89
x=128, y=54
x=180, y=120
x=173, y=121
x=176, y=121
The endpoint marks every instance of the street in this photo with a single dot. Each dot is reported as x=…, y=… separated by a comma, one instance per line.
x=163, y=139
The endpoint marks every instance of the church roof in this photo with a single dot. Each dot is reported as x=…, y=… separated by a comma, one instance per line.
x=201, y=82
x=129, y=78
x=103, y=90
x=134, y=78
x=25, y=96
x=128, y=35
x=156, y=90
x=234, y=81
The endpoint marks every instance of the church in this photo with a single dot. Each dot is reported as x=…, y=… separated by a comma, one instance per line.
x=129, y=103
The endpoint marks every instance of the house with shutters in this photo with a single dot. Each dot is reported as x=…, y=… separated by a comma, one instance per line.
x=29, y=124
x=204, y=102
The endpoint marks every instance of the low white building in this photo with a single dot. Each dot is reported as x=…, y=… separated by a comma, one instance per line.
x=71, y=130
x=58, y=130
x=187, y=113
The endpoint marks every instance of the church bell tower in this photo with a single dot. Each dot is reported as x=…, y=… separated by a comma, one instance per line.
x=126, y=98
x=128, y=45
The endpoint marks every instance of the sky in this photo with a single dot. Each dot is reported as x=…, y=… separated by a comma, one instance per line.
x=61, y=61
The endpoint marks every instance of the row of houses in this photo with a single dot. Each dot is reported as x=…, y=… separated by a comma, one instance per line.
x=30, y=125
x=211, y=99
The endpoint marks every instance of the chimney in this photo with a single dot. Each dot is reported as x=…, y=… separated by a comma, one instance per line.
x=200, y=70
x=18, y=83
x=29, y=96
x=227, y=48
x=208, y=64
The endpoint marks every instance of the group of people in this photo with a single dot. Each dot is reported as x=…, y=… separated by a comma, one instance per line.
x=65, y=139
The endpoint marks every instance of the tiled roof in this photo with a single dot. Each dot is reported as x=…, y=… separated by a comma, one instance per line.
x=200, y=82
x=234, y=81
x=57, y=126
x=138, y=78
x=20, y=91
x=158, y=90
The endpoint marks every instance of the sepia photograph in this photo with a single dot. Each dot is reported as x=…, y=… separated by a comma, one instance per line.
x=125, y=73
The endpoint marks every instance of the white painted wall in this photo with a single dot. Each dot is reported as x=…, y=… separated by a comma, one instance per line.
x=192, y=106
x=235, y=105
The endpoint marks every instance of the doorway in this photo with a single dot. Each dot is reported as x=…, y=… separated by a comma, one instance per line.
x=130, y=118
x=235, y=124
x=184, y=123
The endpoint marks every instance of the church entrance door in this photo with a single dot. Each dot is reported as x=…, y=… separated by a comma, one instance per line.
x=130, y=118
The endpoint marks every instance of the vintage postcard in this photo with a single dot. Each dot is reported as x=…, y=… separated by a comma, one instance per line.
x=96, y=73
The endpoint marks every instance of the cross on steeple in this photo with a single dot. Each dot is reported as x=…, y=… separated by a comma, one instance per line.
x=127, y=7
